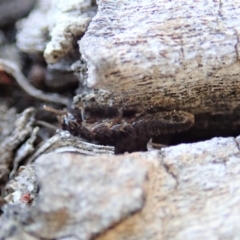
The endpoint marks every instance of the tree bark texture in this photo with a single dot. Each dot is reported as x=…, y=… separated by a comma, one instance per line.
x=190, y=191
x=166, y=54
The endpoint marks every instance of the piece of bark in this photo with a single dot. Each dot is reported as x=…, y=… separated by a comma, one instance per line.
x=11, y=227
x=64, y=34
x=191, y=192
x=23, y=151
x=166, y=54
x=63, y=141
x=81, y=196
x=15, y=129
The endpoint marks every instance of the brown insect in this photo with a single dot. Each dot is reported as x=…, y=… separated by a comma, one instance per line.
x=110, y=127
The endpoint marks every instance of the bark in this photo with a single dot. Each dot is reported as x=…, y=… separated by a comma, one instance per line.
x=190, y=191
x=163, y=55
x=169, y=54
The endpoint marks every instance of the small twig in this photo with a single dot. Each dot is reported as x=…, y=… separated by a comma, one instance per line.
x=13, y=69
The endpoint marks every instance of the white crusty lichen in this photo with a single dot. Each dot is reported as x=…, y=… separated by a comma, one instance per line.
x=54, y=27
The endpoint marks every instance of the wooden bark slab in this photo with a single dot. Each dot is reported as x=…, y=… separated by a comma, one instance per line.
x=193, y=193
x=190, y=191
x=166, y=54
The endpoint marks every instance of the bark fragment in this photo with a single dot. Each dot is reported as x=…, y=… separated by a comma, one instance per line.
x=15, y=130
x=166, y=54
x=82, y=196
x=191, y=192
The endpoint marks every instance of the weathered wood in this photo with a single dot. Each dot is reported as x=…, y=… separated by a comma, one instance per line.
x=191, y=192
x=16, y=130
x=166, y=54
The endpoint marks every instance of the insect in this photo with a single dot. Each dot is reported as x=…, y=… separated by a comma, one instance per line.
x=111, y=127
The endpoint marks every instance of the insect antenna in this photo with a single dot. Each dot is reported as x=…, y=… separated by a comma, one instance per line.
x=45, y=124
x=61, y=115
x=55, y=111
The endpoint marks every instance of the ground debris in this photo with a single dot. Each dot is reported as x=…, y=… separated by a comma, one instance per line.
x=22, y=190
x=15, y=129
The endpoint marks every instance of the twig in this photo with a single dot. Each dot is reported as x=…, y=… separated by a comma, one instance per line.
x=12, y=68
